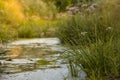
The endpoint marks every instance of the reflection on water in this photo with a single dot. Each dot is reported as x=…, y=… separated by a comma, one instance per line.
x=38, y=59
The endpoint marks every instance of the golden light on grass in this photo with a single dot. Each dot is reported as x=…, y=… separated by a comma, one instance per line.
x=14, y=9
x=15, y=52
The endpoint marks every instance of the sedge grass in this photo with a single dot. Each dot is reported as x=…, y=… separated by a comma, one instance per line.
x=94, y=41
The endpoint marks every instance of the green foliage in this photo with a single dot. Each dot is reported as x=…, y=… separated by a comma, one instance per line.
x=33, y=19
x=32, y=29
x=62, y=4
x=28, y=30
x=86, y=29
x=97, y=60
x=39, y=7
x=43, y=62
x=94, y=40
x=6, y=33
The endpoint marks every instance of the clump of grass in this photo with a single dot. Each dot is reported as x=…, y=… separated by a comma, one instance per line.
x=28, y=30
x=88, y=28
x=33, y=29
x=85, y=29
x=99, y=60
x=6, y=33
x=93, y=39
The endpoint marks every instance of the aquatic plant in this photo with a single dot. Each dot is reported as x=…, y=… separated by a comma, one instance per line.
x=43, y=62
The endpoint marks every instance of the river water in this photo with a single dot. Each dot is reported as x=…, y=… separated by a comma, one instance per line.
x=38, y=59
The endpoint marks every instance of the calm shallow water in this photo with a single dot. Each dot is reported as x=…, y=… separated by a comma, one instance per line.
x=46, y=74
x=39, y=60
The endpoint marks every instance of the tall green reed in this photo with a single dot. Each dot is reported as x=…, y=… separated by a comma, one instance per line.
x=98, y=60
x=94, y=43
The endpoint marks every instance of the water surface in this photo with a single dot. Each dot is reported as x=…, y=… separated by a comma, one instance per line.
x=38, y=60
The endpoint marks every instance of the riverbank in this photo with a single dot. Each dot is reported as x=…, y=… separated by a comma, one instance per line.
x=39, y=59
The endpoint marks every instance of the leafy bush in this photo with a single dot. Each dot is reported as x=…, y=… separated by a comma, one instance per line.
x=39, y=8
x=62, y=4
x=6, y=33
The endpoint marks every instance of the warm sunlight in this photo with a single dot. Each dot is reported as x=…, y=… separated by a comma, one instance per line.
x=14, y=9
x=15, y=52
x=59, y=39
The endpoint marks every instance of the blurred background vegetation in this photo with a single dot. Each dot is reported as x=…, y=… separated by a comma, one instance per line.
x=31, y=18
x=93, y=36
x=26, y=18
x=91, y=28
